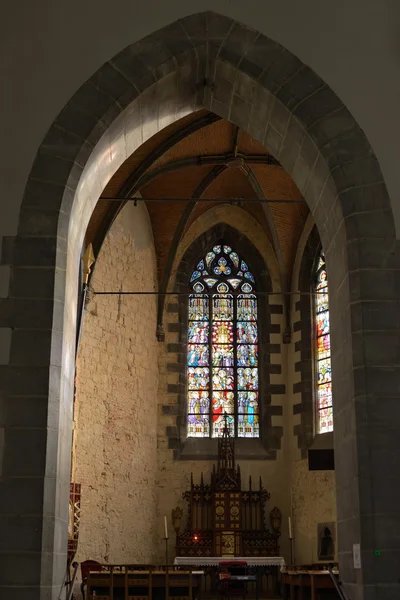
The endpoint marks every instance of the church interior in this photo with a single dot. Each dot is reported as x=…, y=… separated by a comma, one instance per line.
x=145, y=423
x=199, y=300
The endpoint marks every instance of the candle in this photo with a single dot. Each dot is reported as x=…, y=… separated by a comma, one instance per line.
x=165, y=528
x=290, y=528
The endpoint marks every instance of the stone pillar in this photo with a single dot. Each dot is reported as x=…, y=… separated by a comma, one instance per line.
x=365, y=326
x=36, y=392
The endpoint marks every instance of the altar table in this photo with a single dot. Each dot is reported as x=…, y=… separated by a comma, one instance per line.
x=213, y=561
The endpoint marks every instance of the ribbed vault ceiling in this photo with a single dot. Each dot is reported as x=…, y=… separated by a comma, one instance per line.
x=202, y=156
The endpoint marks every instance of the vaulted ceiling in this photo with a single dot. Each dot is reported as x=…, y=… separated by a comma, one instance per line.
x=192, y=165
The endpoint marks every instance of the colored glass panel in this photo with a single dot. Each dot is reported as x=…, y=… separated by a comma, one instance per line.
x=198, y=332
x=322, y=299
x=199, y=403
x=200, y=266
x=209, y=258
x=198, y=355
x=210, y=281
x=247, y=356
x=227, y=249
x=247, y=332
x=243, y=266
x=198, y=287
x=222, y=332
x=219, y=423
x=324, y=370
x=223, y=307
x=247, y=379
x=223, y=379
x=198, y=308
x=325, y=420
x=222, y=356
x=246, y=307
x=324, y=395
x=198, y=426
x=248, y=275
x=324, y=346
x=195, y=275
x=217, y=249
x=322, y=323
x=248, y=420
x=223, y=402
x=234, y=258
x=235, y=283
x=222, y=267
x=198, y=378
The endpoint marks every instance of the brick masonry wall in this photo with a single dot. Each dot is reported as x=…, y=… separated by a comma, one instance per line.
x=115, y=457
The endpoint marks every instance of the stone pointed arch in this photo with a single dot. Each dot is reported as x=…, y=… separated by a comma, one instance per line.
x=203, y=61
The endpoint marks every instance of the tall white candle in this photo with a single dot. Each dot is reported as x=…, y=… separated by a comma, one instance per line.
x=165, y=528
x=290, y=528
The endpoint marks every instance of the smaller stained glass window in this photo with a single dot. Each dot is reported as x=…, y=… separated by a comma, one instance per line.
x=323, y=350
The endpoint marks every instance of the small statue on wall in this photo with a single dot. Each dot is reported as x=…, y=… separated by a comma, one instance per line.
x=275, y=517
x=177, y=514
x=326, y=544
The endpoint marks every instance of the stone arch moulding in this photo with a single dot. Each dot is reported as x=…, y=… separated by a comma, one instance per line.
x=270, y=435
x=203, y=61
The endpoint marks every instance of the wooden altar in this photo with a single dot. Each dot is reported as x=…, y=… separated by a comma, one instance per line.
x=224, y=520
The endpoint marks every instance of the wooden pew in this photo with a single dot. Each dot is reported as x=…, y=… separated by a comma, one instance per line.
x=304, y=584
x=125, y=582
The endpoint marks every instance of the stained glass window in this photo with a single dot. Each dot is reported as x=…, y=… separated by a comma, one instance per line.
x=222, y=348
x=323, y=350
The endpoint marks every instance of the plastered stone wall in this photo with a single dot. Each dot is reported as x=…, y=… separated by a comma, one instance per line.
x=313, y=493
x=115, y=456
x=314, y=501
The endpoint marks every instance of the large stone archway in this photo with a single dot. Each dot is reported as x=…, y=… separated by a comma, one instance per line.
x=202, y=61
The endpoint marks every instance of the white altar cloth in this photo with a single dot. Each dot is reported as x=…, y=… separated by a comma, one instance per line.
x=209, y=561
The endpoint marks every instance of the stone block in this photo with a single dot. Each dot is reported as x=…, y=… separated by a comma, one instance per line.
x=259, y=57
x=284, y=66
x=279, y=117
x=5, y=345
x=111, y=81
x=30, y=251
x=362, y=172
x=24, y=380
x=223, y=91
x=236, y=43
x=240, y=112
x=174, y=38
x=313, y=108
x=365, y=198
x=33, y=348
x=273, y=141
x=300, y=86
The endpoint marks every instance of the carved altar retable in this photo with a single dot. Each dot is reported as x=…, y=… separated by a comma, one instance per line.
x=223, y=520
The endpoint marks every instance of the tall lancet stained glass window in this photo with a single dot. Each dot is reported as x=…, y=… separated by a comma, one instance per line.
x=323, y=350
x=222, y=348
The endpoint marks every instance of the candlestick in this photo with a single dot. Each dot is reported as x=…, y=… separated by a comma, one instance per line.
x=290, y=528
x=165, y=528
